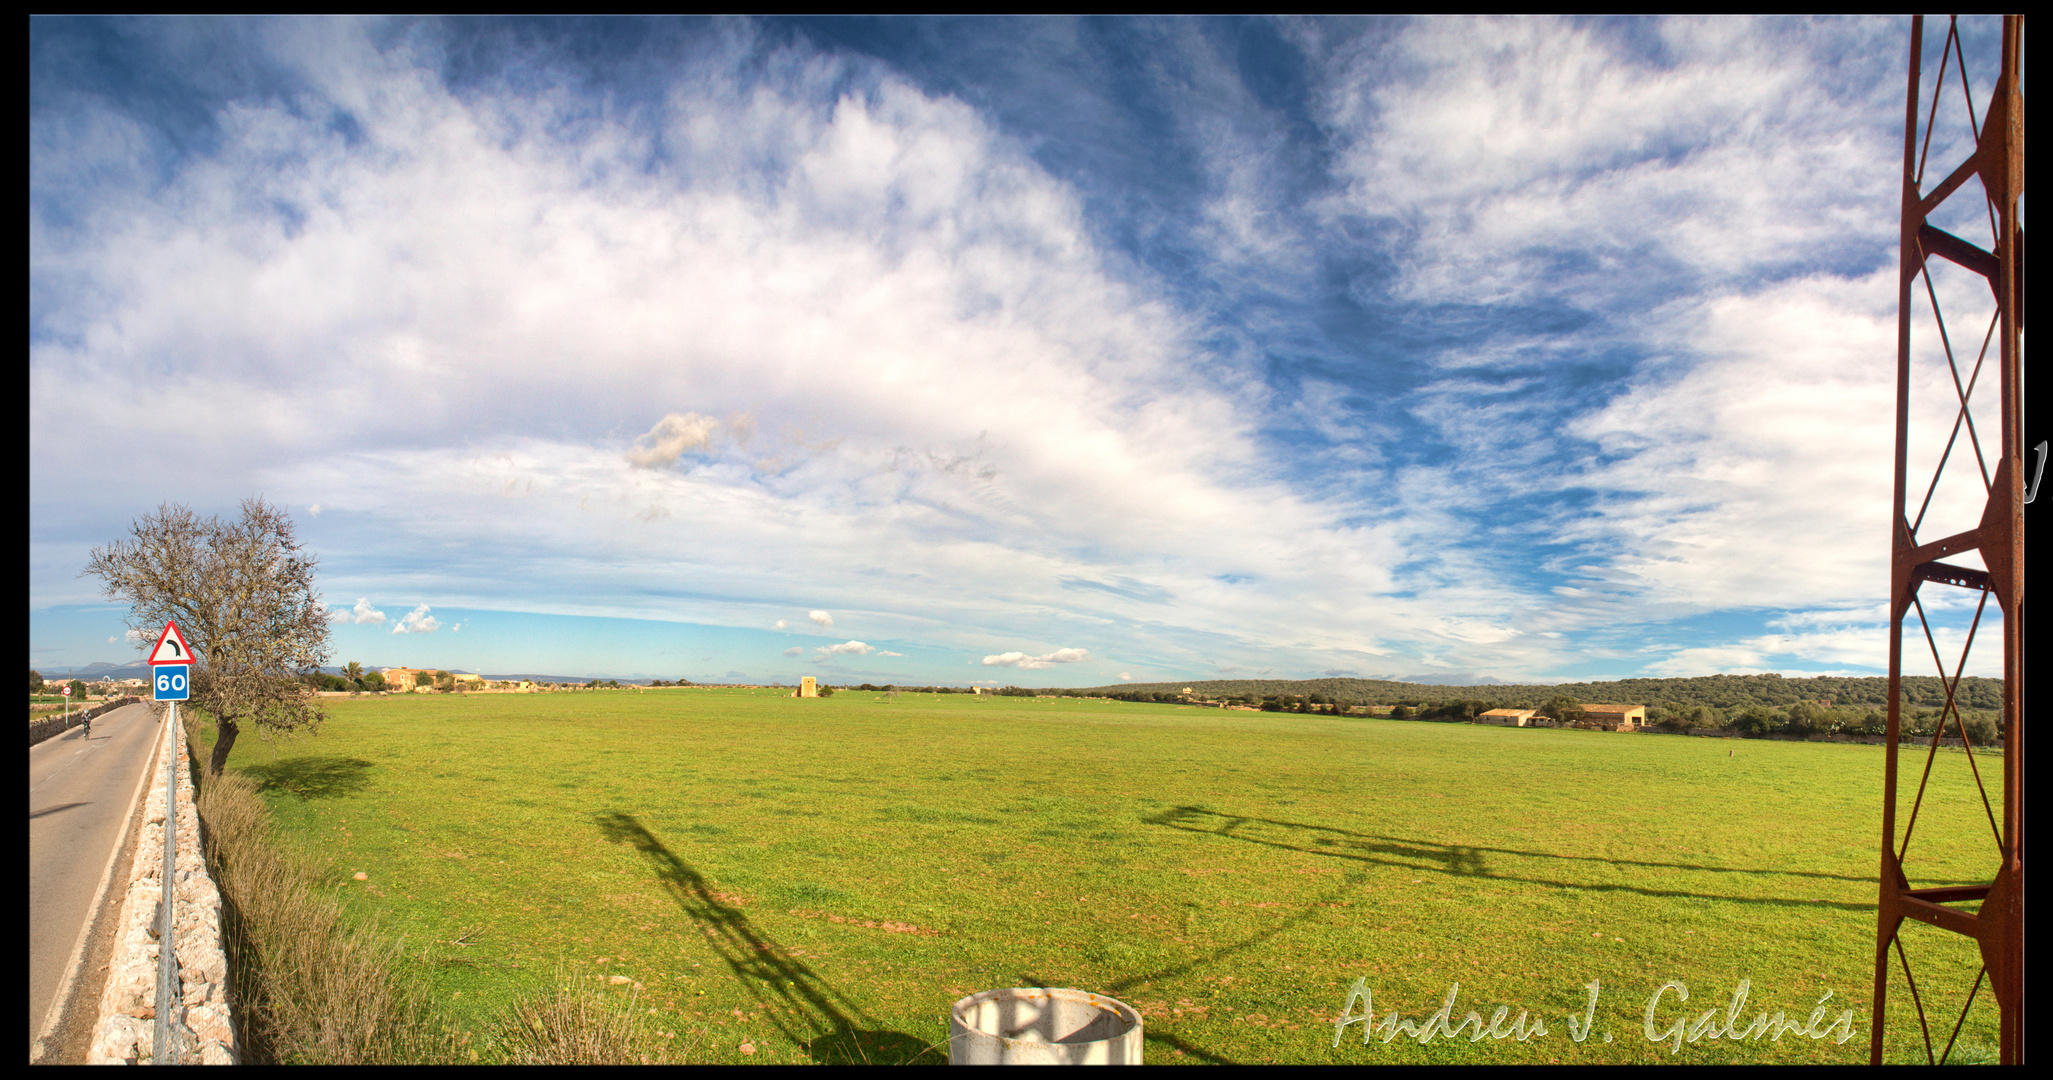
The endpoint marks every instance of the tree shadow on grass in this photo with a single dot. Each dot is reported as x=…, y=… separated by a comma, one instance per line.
x=1462, y=860
x=808, y=1009
x=1419, y=855
x=1174, y=1044
x=321, y=776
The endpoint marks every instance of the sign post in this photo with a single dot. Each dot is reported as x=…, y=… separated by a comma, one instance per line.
x=171, y=672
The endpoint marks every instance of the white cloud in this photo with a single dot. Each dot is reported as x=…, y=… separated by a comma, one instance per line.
x=1849, y=641
x=1126, y=676
x=1022, y=660
x=670, y=438
x=455, y=628
x=1555, y=164
x=841, y=266
x=846, y=648
x=314, y=510
x=1505, y=144
x=361, y=614
x=888, y=652
x=794, y=651
x=1741, y=479
x=417, y=621
x=779, y=624
x=942, y=375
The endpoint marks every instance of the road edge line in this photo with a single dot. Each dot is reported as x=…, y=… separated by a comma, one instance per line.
x=62, y=997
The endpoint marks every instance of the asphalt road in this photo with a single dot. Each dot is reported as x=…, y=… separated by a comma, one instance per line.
x=82, y=796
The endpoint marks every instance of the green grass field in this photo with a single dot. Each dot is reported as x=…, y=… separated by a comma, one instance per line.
x=820, y=879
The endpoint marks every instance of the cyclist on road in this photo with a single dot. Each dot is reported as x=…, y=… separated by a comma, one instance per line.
x=88, y=725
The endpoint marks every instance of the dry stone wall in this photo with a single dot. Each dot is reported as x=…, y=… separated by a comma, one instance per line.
x=202, y=1029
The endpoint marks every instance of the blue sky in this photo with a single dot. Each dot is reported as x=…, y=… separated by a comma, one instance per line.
x=1047, y=352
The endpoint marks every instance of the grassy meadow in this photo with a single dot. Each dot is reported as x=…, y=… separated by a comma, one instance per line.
x=779, y=880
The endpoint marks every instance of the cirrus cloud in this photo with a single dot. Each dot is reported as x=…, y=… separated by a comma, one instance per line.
x=1025, y=662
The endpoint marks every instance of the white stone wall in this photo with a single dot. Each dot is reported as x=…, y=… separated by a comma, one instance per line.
x=201, y=1027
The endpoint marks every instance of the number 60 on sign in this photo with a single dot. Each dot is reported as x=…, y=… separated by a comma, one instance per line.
x=172, y=683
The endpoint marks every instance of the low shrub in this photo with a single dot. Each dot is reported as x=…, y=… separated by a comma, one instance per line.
x=577, y=1023
x=1982, y=730
x=1757, y=722
x=308, y=986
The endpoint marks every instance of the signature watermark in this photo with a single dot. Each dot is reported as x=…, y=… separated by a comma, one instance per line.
x=1665, y=1020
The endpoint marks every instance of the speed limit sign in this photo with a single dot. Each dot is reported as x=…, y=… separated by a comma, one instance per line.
x=66, y=691
x=172, y=683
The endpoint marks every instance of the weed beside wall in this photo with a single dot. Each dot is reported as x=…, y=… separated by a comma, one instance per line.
x=310, y=987
x=577, y=1023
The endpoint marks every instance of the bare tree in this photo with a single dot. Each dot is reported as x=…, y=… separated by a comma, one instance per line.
x=243, y=595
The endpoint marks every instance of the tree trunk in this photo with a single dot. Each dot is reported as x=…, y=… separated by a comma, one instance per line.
x=225, y=741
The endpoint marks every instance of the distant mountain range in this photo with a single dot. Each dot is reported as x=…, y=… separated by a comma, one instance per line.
x=97, y=672
x=1463, y=678
x=103, y=670
x=1411, y=688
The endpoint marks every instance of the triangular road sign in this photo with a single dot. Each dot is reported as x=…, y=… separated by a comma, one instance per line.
x=171, y=647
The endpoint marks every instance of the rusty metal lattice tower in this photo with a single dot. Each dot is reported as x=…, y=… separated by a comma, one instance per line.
x=1997, y=162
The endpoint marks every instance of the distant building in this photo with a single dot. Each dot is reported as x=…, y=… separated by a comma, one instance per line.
x=807, y=687
x=1616, y=717
x=407, y=679
x=1507, y=717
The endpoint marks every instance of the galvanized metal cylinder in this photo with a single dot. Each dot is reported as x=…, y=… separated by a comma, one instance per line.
x=1041, y=1026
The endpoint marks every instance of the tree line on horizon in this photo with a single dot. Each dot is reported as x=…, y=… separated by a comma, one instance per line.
x=1753, y=705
